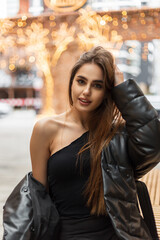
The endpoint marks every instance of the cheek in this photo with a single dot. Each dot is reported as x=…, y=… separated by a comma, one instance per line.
x=100, y=97
x=74, y=91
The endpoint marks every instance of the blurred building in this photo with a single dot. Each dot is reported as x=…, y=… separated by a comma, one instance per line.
x=36, y=7
x=155, y=88
x=10, y=8
x=21, y=85
x=129, y=59
x=104, y=5
x=140, y=60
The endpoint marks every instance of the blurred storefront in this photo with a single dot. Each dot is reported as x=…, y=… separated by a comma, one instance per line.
x=41, y=40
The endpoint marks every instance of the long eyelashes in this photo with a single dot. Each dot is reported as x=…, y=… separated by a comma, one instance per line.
x=95, y=85
x=80, y=81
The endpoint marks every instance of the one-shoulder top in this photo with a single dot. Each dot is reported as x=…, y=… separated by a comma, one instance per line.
x=67, y=180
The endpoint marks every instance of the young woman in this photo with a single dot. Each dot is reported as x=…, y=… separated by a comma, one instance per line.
x=89, y=156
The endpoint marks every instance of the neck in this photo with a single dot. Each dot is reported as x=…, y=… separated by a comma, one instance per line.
x=80, y=118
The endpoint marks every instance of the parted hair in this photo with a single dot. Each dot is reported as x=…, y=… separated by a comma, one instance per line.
x=103, y=123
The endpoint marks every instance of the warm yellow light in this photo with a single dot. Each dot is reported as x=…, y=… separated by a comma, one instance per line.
x=52, y=24
x=115, y=19
x=130, y=50
x=24, y=24
x=110, y=19
x=115, y=23
x=143, y=35
x=102, y=22
x=142, y=14
x=125, y=26
x=20, y=24
x=51, y=17
x=12, y=67
x=124, y=13
x=143, y=22
x=6, y=25
x=32, y=59
x=24, y=18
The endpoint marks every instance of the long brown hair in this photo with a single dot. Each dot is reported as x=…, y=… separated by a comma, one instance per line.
x=103, y=123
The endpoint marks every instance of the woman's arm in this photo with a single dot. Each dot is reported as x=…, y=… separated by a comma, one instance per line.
x=142, y=125
x=39, y=151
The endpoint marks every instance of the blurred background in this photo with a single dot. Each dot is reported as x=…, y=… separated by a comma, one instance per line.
x=39, y=43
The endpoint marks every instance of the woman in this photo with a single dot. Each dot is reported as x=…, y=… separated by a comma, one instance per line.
x=89, y=156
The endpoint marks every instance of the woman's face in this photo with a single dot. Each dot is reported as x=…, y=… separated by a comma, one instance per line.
x=88, y=88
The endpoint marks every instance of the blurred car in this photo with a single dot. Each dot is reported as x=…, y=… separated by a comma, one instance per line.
x=5, y=109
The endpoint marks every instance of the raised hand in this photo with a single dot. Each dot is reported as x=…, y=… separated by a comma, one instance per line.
x=118, y=76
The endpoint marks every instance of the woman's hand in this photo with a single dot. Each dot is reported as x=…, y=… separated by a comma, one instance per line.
x=118, y=76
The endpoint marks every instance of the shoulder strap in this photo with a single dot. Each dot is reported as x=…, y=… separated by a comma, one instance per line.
x=146, y=207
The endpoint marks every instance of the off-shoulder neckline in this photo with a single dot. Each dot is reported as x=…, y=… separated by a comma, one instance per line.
x=75, y=140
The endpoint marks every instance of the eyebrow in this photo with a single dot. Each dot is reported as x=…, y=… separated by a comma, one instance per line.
x=99, y=81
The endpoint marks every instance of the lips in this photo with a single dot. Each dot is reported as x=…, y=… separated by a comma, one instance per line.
x=84, y=100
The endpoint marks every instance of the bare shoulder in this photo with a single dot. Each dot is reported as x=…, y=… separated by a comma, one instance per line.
x=48, y=127
x=44, y=131
x=45, y=127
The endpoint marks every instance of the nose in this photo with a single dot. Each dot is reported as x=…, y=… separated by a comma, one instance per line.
x=87, y=90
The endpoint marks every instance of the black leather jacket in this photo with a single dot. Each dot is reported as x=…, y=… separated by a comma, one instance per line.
x=29, y=213
x=131, y=153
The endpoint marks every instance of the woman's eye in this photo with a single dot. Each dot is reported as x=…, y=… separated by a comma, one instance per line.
x=97, y=85
x=80, y=81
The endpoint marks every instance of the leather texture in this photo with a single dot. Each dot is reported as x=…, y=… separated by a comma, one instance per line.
x=131, y=153
x=146, y=207
x=29, y=213
x=18, y=213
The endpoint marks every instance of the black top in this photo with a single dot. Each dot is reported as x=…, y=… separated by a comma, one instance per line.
x=66, y=181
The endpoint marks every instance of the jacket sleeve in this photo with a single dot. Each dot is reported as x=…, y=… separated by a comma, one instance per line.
x=142, y=125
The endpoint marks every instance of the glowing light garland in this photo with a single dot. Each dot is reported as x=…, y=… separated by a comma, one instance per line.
x=61, y=38
x=43, y=40
x=95, y=31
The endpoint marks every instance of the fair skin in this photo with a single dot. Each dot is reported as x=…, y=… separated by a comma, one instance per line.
x=54, y=133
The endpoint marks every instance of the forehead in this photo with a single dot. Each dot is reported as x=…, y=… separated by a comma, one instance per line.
x=90, y=71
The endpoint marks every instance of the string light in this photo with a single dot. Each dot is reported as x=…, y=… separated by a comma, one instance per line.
x=12, y=67
x=125, y=26
x=32, y=59
x=62, y=37
x=124, y=13
x=43, y=46
x=143, y=22
x=52, y=24
x=102, y=22
x=24, y=18
x=20, y=24
x=115, y=23
x=142, y=14
x=51, y=17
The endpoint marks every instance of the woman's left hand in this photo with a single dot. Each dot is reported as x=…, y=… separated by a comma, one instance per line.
x=118, y=76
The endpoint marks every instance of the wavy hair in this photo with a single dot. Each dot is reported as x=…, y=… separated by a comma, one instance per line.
x=103, y=123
